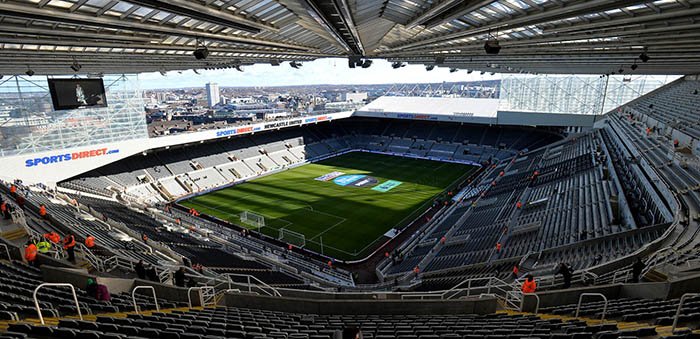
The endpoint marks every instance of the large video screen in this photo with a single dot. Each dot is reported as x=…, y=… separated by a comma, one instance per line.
x=76, y=93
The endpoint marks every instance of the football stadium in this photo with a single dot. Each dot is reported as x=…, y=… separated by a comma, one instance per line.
x=537, y=175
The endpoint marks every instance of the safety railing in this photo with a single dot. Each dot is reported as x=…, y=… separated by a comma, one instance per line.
x=537, y=298
x=621, y=276
x=580, y=299
x=204, y=298
x=469, y=287
x=36, y=301
x=7, y=251
x=133, y=297
x=678, y=310
x=260, y=285
x=91, y=257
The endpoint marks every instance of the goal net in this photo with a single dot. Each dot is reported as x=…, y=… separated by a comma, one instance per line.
x=291, y=237
x=253, y=219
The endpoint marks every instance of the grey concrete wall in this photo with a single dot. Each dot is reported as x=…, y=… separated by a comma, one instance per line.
x=309, y=306
x=570, y=296
x=679, y=287
x=648, y=290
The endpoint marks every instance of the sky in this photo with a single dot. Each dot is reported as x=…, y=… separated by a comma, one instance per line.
x=317, y=72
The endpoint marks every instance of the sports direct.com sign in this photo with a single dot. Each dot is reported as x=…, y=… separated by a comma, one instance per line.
x=52, y=159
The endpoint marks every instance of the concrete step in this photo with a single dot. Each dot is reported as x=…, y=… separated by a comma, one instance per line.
x=655, y=276
x=14, y=234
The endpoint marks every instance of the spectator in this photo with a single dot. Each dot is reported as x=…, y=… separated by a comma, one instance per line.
x=90, y=241
x=144, y=237
x=20, y=202
x=44, y=246
x=91, y=287
x=566, y=272
x=152, y=274
x=30, y=252
x=8, y=212
x=140, y=270
x=69, y=246
x=103, y=293
x=637, y=269
x=179, y=277
x=529, y=285
x=597, y=259
x=515, y=271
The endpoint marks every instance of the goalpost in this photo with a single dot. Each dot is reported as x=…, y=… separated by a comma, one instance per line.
x=291, y=237
x=253, y=219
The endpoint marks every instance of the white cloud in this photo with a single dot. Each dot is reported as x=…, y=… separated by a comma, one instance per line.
x=322, y=71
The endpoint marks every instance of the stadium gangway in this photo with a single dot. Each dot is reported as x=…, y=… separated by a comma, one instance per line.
x=468, y=287
x=261, y=285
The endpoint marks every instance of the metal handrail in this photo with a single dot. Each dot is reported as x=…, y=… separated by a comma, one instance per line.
x=580, y=298
x=678, y=310
x=275, y=292
x=201, y=295
x=36, y=301
x=522, y=302
x=7, y=251
x=133, y=297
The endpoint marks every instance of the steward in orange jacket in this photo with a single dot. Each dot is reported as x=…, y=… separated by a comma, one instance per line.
x=30, y=253
x=90, y=241
x=529, y=285
x=69, y=246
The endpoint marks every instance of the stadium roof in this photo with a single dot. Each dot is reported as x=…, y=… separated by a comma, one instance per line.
x=552, y=36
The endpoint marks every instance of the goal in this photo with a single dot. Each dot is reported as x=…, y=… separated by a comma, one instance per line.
x=291, y=237
x=253, y=219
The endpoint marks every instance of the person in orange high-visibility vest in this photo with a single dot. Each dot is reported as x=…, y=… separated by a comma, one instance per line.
x=416, y=270
x=53, y=237
x=13, y=189
x=529, y=285
x=515, y=271
x=30, y=253
x=519, y=205
x=90, y=241
x=42, y=211
x=69, y=246
x=498, y=247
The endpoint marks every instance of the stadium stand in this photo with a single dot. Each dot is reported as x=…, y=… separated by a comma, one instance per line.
x=204, y=167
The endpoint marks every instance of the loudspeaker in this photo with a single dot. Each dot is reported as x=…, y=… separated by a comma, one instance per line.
x=201, y=53
x=492, y=47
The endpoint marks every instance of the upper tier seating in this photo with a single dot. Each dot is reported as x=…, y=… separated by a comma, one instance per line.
x=566, y=193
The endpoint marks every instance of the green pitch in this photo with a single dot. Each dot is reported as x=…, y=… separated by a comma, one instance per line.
x=350, y=221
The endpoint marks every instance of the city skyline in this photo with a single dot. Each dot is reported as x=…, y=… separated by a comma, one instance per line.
x=332, y=71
